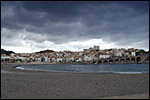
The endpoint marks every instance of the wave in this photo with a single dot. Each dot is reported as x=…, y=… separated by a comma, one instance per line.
x=20, y=68
x=131, y=72
x=4, y=71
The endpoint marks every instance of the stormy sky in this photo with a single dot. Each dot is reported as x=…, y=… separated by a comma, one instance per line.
x=30, y=26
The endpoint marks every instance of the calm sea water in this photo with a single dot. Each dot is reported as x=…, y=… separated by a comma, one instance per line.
x=91, y=68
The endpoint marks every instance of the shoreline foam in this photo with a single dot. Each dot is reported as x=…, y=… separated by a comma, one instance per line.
x=133, y=96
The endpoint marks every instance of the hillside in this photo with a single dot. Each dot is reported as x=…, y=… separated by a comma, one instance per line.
x=6, y=52
x=45, y=51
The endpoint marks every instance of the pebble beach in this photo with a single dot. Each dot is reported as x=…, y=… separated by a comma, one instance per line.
x=22, y=84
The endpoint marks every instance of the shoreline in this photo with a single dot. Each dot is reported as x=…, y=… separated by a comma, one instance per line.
x=77, y=63
x=15, y=65
x=133, y=96
x=53, y=85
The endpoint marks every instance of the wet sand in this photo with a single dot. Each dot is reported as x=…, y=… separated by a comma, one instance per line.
x=19, y=84
x=135, y=96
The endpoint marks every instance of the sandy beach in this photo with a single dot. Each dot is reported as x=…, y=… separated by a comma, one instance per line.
x=19, y=84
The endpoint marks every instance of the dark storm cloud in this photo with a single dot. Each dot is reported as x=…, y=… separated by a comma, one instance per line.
x=66, y=21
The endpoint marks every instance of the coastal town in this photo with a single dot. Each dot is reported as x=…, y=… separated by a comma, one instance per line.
x=92, y=55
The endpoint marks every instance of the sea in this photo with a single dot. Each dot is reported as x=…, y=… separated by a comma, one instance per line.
x=90, y=68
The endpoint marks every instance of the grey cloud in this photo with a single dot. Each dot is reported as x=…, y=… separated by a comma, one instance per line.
x=62, y=22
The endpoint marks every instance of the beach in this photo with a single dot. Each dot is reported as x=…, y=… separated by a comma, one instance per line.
x=22, y=84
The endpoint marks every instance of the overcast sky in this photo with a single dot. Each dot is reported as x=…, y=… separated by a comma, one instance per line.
x=30, y=26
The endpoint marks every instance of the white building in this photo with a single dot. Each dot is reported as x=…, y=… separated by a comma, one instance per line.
x=22, y=58
x=72, y=58
x=53, y=60
x=59, y=59
x=46, y=59
x=79, y=59
x=87, y=58
x=133, y=53
x=119, y=53
x=12, y=54
x=67, y=59
x=5, y=57
x=126, y=53
x=39, y=59
x=104, y=56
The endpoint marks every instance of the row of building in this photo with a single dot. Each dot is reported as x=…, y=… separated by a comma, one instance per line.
x=90, y=54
